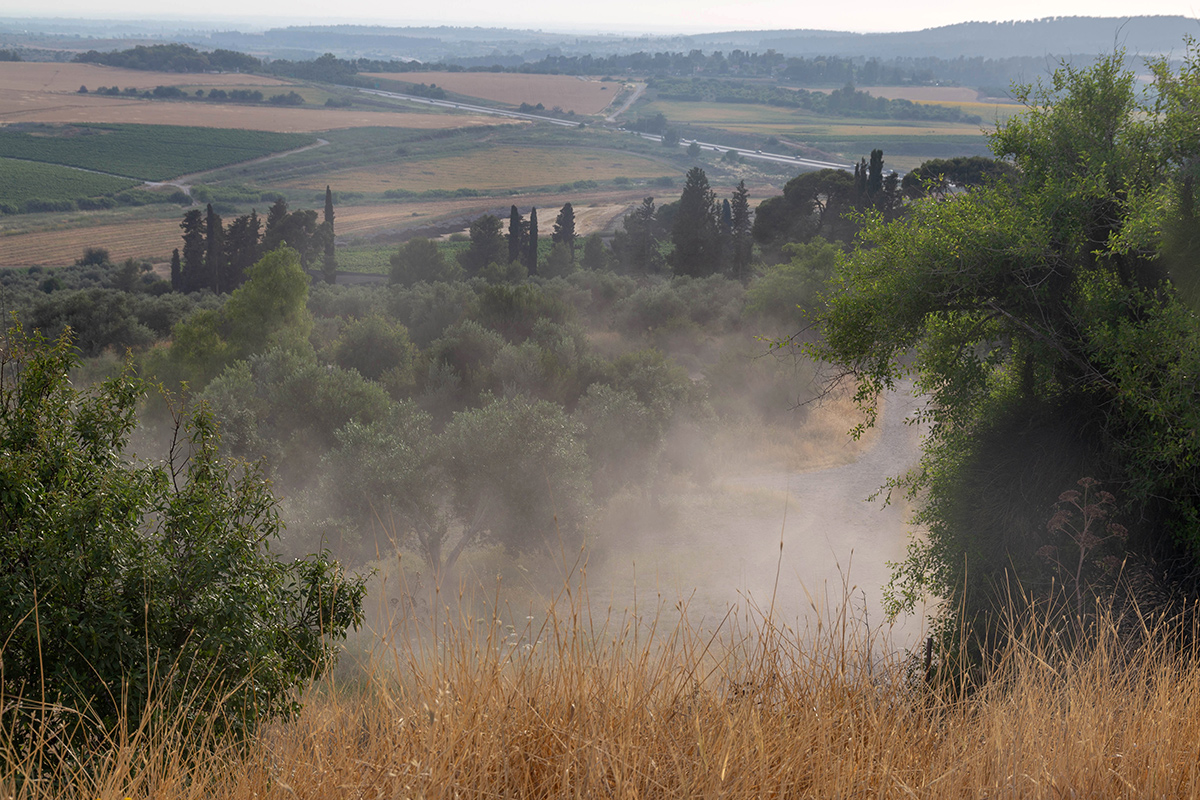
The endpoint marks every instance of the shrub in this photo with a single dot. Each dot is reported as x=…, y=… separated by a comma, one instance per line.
x=120, y=580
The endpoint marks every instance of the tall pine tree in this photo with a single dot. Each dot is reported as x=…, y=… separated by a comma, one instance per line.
x=694, y=231
x=176, y=271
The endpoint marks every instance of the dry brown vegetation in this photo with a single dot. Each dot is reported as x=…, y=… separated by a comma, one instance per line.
x=570, y=93
x=579, y=703
x=39, y=92
x=33, y=76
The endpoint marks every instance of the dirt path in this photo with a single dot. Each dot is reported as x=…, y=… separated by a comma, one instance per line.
x=184, y=182
x=637, y=92
x=725, y=548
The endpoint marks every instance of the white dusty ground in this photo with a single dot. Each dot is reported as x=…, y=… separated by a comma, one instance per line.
x=723, y=546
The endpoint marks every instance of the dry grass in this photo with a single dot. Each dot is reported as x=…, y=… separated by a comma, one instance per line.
x=148, y=239
x=492, y=169
x=581, y=95
x=32, y=76
x=571, y=704
x=21, y=106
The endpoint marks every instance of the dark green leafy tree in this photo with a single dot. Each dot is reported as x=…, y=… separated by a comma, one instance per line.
x=564, y=229
x=1043, y=336
x=487, y=244
x=123, y=581
x=241, y=248
x=421, y=260
x=694, y=231
x=595, y=254
x=637, y=245
x=176, y=271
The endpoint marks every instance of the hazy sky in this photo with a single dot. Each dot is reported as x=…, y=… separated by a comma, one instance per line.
x=619, y=15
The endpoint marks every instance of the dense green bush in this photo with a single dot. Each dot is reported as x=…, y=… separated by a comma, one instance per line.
x=123, y=581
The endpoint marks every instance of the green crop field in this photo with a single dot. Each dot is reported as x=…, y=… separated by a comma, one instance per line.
x=22, y=180
x=148, y=152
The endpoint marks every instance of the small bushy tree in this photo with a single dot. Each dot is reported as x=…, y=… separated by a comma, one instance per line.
x=124, y=580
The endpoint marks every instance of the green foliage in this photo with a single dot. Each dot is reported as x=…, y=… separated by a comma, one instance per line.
x=22, y=181
x=287, y=408
x=513, y=310
x=121, y=580
x=518, y=467
x=267, y=311
x=422, y=260
x=1039, y=330
x=172, y=57
x=377, y=347
x=487, y=245
x=146, y=152
x=791, y=292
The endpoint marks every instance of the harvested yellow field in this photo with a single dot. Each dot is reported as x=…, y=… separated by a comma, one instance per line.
x=493, y=169
x=67, y=78
x=148, y=239
x=570, y=93
x=25, y=106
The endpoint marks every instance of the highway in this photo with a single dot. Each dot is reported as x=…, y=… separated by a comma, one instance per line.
x=781, y=158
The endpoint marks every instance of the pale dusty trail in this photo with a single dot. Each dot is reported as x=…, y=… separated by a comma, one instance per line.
x=728, y=549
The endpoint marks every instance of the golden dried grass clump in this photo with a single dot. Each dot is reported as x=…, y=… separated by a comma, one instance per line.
x=570, y=705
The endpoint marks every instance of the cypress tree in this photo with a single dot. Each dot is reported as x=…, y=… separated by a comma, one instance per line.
x=516, y=234
x=213, y=251
x=176, y=271
x=329, y=267
x=192, y=267
x=532, y=261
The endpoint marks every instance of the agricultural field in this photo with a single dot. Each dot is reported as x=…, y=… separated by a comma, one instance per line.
x=150, y=239
x=911, y=142
x=55, y=78
x=49, y=93
x=147, y=152
x=21, y=180
x=570, y=93
x=491, y=169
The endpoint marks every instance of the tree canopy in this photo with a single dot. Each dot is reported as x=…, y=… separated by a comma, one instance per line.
x=1034, y=317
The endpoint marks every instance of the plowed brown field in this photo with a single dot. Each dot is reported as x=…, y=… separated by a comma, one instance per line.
x=581, y=95
x=67, y=78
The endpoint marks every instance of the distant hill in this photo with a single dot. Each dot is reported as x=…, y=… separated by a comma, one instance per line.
x=1152, y=36
x=1058, y=36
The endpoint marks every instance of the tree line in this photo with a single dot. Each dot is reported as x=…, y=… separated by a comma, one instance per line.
x=830, y=70
x=216, y=257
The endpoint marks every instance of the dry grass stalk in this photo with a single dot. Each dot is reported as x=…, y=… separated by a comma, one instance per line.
x=581, y=705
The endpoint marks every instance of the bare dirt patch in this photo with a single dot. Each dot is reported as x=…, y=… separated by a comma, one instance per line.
x=570, y=93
